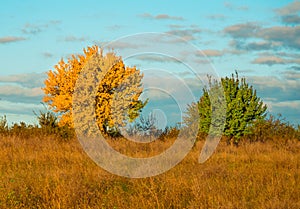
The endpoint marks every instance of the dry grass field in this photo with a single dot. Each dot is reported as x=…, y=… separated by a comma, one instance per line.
x=43, y=172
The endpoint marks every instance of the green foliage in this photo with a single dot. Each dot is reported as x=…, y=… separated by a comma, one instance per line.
x=3, y=125
x=243, y=107
x=48, y=124
x=47, y=119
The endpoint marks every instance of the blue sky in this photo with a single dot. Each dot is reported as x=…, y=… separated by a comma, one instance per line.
x=259, y=39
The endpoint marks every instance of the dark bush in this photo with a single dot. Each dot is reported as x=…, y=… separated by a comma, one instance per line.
x=273, y=129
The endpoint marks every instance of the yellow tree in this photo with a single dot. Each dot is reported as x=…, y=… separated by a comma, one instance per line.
x=117, y=98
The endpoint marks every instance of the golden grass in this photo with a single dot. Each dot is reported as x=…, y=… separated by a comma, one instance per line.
x=42, y=172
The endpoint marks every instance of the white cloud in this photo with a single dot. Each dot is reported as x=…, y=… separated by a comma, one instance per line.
x=10, y=39
x=295, y=104
x=161, y=17
x=48, y=55
x=291, y=8
x=75, y=39
x=275, y=83
x=30, y=28
x=9, y=90
x=286, y=35
x=272, y=60
x=25, y=79
x=217, y=17
x=17, y=111
x=231, y=6
x=18, y=107
x=243, y=30
x=25, y=88
x=187, y=34
x=118, y=45
x=212, y=53
x=291, y=19
x=155, y=58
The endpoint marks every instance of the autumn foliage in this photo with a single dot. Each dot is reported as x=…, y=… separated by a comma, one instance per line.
x=120, y=86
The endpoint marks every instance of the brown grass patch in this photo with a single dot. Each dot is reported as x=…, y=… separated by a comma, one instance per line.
x=42, y=172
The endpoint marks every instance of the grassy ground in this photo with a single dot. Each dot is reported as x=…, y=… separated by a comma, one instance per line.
x=42, y=172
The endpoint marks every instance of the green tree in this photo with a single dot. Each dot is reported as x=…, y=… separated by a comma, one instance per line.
x=243, y=107
x=46, y=119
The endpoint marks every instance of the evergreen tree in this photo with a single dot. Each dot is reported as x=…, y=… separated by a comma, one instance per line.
x=243, y=107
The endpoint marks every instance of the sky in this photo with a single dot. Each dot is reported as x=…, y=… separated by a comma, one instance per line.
x=258, y=39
